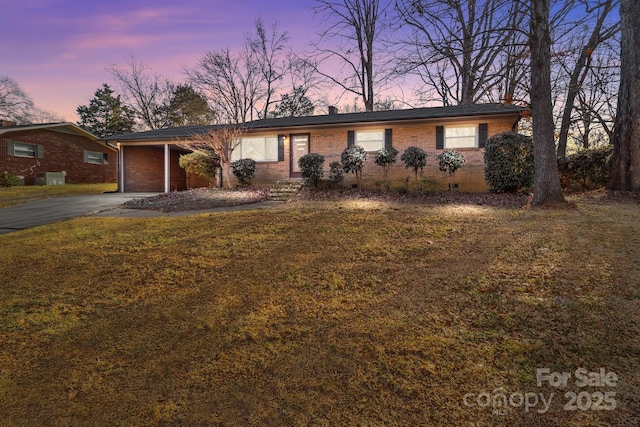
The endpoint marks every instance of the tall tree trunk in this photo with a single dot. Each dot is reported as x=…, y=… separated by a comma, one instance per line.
x=626, y=139
x=547, y=179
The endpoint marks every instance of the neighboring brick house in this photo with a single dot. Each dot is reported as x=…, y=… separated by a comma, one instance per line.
x=27, y=150
x=150, y=159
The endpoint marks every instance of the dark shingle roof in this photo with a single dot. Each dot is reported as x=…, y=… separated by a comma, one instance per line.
x=334, y=119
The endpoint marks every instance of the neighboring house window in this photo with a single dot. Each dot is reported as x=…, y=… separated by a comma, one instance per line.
x=260, y=149
x=95, y=157
x=22, y=149
x=461, y=136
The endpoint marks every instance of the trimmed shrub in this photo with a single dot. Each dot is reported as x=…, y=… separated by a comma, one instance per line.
x=385, y=157
x=336, y=174
x=8, y=179
x=244, y=170
x=450, y=161
x=311, y=167
x=588, y=169
x=204, y=164
x=508, y=163
x=414, y=158
x=353, y=159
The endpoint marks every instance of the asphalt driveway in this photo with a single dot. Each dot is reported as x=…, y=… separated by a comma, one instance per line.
x=47, y=211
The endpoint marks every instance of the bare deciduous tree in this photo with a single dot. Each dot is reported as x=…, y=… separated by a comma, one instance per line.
x=222, y=140
x=601, y=31
x=230, y=82
x=267, y=49
x=596, y=109
x=626, y=140
x=240, y=86
x=15, y=104
x=455, y=44
x=351, y=45
x=547, y=179
x=146, y=93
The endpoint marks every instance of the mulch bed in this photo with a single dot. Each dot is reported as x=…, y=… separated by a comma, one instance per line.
x=199, y=198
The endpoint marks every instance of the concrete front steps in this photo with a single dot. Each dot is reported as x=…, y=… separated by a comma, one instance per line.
x=284, y=190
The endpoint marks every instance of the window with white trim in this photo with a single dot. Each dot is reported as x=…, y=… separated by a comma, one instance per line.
x=95, y=157
x=21, y=149
x=370, y=140
x=460, y=137
x=258, y=148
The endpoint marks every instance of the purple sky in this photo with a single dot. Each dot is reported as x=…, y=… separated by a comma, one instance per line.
x=57, y=50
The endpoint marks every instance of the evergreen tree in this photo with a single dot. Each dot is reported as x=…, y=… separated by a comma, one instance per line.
x=295, y=104
x=106, y=115
x=188, y=107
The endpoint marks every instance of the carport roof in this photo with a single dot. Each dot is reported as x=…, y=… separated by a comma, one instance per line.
x=331, y=119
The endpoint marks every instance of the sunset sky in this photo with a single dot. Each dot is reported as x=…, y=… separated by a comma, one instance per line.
x=57, y=50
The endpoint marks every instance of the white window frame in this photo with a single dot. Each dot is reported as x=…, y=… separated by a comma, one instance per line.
x=449, y=140
x=94, y=158
x=258, y=148
x=367, y=139
x=25, y=147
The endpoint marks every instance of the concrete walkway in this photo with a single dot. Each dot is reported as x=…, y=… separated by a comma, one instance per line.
x=55, y=209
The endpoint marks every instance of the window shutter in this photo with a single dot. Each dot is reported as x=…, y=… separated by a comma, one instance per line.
x=388, y=138
x=483, y=134
x=105, y=158
x=86, y=156
x=10, y=150
x=439, y=137
x=40, y=151
x=281, y=148
x=351, y=138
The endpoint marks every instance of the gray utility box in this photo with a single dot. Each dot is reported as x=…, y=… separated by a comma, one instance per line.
x=50, y=178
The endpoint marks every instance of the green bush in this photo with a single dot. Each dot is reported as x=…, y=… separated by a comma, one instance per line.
x=508, y=163
x=203, y=164
x=385, y=157
x=336, y=174
x=450, y=161
x=353, y=159
x=8, y=179
x=588, y=169
x=311, y=167
x=244, y=170
x=414, y=158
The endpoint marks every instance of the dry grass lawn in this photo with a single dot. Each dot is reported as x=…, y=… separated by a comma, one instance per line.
x=10, y=196
x=356, y=313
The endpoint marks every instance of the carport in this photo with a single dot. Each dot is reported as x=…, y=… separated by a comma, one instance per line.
x=149, y=161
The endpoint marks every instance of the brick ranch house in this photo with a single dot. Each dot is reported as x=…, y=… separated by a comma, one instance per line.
x=150, y=159
x=27, y=150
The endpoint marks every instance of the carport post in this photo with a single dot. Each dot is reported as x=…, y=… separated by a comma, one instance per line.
x=167, y=172
x=121, y=166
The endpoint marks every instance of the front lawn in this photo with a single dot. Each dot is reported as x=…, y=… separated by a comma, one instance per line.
x=348, y=312
x=22, y=194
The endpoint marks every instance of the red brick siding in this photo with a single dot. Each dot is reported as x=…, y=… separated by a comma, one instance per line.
x=62, y=152
x=196, y=181
x=144, y=170
x=330, y=142
x=144, y=165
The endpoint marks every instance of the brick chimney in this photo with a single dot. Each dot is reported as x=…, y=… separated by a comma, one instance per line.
x=6, y=123
x=333, y=110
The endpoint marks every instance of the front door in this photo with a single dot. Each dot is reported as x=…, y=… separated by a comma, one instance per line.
x=299, y=147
